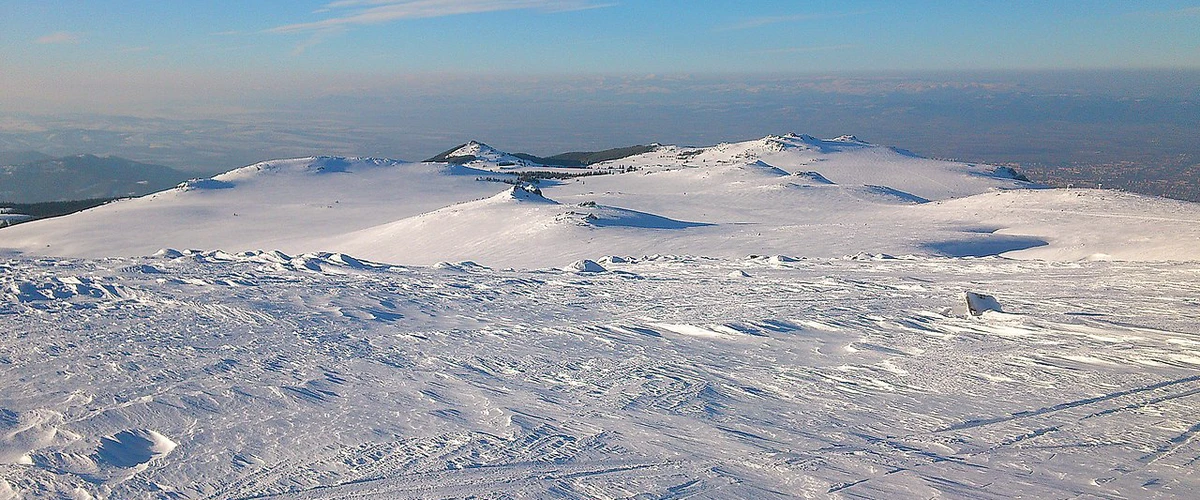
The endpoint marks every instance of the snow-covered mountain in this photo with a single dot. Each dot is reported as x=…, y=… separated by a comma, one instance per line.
x=792, y=195
x=475, y=153
x=786, y=317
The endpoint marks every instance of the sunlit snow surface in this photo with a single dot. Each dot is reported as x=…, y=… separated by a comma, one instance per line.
x=794, y=195
x=213, y=375
x=309, y=374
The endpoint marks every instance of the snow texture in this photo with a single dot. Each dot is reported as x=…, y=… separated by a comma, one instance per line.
x=218, y=375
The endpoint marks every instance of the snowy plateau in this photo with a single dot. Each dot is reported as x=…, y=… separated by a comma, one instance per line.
x=779, y=318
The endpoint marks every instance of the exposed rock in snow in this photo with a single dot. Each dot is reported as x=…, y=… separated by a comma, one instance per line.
x=614, y=259
x=586, y=266
x=780, y=259
x=1009, y=173
x=524, y=194
x=465, y=265
x=978, y=303
x=192, y=184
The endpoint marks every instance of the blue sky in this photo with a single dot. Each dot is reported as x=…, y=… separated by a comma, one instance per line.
x=599, y=36
x=54, y=50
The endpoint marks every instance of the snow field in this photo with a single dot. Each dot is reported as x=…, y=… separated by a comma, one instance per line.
x=228, y=375
x=777, y=318
x=790, y=195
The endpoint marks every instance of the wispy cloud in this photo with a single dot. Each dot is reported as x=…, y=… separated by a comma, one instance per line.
x=58, y=37
x=346, y=13
x=316, y=38
x=758, y=22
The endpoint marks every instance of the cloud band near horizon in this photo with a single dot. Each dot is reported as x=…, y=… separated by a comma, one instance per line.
x=365, y=12
x=58, y=37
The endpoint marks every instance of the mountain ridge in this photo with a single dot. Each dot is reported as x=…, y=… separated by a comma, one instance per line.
x=474, y=150
x=787, y=194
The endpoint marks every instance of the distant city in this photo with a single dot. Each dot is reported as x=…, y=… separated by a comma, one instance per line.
x=1178, y=179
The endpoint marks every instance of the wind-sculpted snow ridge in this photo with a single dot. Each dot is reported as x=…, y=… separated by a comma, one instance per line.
x=311, y=165
x=764, y=168
x=208, y=374
x=592, y=214
x=812, y=177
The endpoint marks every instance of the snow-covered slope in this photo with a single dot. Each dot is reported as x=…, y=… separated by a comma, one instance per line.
x=844, y=160
x=1078, y=224
x=793, y=194
x=222, y=376
x=279, y=204
x=779, y=318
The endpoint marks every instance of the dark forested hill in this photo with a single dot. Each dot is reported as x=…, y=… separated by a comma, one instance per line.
x=80, y=177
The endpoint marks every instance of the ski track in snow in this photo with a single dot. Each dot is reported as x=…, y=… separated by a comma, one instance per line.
x=262, y=375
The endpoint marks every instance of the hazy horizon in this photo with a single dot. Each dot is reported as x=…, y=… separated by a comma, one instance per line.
x=215, y=86
x=985, y=116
